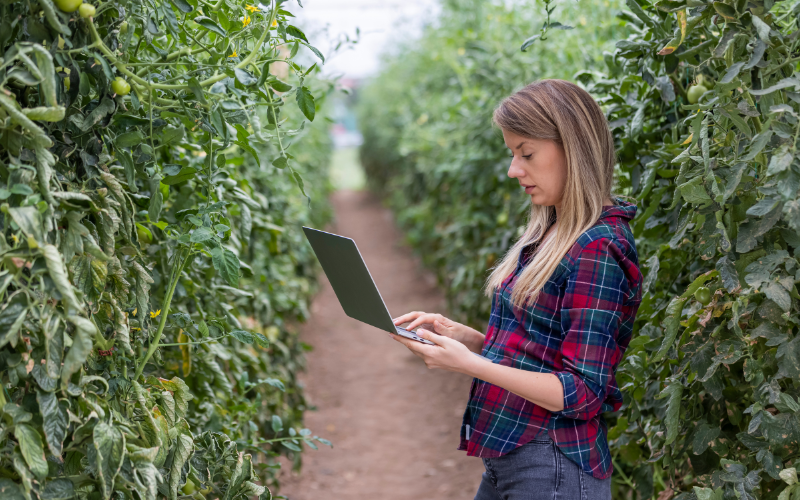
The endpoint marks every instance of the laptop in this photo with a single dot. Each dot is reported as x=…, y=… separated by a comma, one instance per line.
x=353, y=283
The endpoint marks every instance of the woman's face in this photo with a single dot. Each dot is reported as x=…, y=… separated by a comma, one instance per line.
x=540, y=167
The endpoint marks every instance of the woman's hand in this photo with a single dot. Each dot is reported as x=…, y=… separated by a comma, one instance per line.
x=470, y=337
x=447, y=354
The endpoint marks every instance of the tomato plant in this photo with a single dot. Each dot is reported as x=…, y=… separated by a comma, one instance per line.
x=151, y=267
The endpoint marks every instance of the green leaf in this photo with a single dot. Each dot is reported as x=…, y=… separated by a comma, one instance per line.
x=528, y=42
x=85, y=331
x=45, y=114
x=29, y=221
x=291, y=446
x=171, y=134
x=316, y=52
x=183, y=450
x=726, y=11
x=280, y=162
x=296, y=32
x=244, y=77
x=56, y=489
x=182, y=6
x=209, y=24
x=778, y=163
x=130, y=171
x=202, y=327
x=55, y=420
x=12, y=316
x=129, y=139
x=109, y=443
x=280, y=86
x=694, y=192
x=674, y=391
x=732, y=72
x=185, y=174
x=672, y=322
x=728, y=274
x=58, y=274
x=277, y=423
x=197, y=89
x=227, y=265
x=762, y=28
x=30, y=444
x=242, y=336
x=154, y=210
x=105, y=107
x=759, y=141
x=704, y=437
x=708, y=493
x=181, y=394
x=786, y=83
x=261, y=340
x=305, y=101
x=778, y=294
x=202, y=234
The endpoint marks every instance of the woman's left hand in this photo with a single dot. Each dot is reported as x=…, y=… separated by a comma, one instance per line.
x=447, y=354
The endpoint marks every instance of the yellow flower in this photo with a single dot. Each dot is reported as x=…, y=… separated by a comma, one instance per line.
x=234, y=54
x=154, y=315
x=251, y=8
x=135, y=329
x=134, y=310
x=246, y=21
x=274, y=22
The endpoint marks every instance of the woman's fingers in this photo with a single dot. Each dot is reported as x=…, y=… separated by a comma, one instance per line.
x=423, y=320
x=407, y=317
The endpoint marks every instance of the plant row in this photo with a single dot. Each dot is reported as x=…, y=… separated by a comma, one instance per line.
x=702, y=99
x=155, y=160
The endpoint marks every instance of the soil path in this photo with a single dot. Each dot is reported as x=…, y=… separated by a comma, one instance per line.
x=394, y=424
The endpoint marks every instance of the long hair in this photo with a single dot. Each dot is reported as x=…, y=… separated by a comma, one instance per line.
x=565, y=113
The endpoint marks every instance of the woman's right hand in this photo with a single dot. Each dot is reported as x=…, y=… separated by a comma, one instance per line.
x=470, y=337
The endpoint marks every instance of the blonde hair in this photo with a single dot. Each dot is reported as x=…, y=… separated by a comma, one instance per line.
x=563, y=112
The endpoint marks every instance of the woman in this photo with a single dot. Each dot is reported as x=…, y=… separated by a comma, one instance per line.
x=564, y=298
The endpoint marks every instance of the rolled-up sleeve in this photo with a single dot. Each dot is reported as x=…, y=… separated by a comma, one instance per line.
x=591, y=311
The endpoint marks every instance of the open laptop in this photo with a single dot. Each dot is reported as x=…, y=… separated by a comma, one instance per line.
x=353, y=283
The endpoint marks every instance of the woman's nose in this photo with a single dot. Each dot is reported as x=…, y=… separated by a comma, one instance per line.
x=514, y=171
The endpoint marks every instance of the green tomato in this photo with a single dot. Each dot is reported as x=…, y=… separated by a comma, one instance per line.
x=123, y=27
x=695, y=91
x=145, y=237
x=86, y=10
x=68, y=5
x=120, y=86
x=189, y=487
x=703, y=295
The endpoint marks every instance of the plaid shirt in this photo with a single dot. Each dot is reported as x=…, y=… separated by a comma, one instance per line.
x=577, y=329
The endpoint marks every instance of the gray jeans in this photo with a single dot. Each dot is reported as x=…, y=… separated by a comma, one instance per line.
x=539, y=471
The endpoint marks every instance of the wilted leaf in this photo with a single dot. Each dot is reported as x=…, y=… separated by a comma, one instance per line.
x=30, y=443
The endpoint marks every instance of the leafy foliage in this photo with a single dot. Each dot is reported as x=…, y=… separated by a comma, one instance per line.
x=151, y=264
x=711, y=393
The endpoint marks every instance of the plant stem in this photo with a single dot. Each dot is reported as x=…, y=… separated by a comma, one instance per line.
x=164, y=312
x=192, y=343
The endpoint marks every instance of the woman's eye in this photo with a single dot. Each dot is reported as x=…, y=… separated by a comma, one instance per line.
x=527, y=156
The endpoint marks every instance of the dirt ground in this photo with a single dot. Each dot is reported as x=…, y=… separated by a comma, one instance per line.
x=394, y=424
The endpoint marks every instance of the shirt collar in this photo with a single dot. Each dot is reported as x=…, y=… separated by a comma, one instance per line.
x=621, y=210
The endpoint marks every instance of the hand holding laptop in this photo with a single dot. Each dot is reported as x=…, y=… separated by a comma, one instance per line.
x=359, y=296
x=441, y=325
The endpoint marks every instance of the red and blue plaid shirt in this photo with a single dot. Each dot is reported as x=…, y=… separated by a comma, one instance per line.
x=577, y=329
